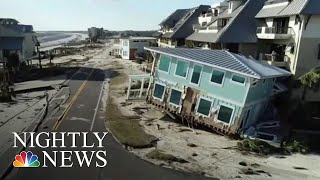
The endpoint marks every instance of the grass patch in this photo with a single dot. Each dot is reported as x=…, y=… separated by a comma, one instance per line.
x=118, y=79
x=127, y=131
x=156, y=154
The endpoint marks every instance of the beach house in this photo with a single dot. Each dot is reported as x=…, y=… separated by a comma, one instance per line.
x=290, y=29
x=179, y=25
x=219, y=89
x=17, y=38
x=230, y=25
x=132, y=46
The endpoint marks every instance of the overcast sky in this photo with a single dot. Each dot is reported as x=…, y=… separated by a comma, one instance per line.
x=80, y=14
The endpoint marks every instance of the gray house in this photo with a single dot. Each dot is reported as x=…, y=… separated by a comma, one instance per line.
x=179, y=25
x=16, y=38
x=231, y=25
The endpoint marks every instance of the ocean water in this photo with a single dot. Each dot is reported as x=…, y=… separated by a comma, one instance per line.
x=54, y=39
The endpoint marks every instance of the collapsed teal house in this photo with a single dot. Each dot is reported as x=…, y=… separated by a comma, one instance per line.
x=216, y=88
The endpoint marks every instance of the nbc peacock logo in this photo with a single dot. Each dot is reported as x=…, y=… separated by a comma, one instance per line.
x=26, y=159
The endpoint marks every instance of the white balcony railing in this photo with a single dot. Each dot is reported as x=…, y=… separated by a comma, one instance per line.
x=276, y=60
x=274, y=32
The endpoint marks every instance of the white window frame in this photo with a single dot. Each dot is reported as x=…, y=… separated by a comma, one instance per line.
x=125, y=43
x=124, y=53
x=202, y=67
x=178, y=60
x=176, y=89
x=170, y=59
x=214, y=83
x=198, y=104
x=231, y=118
x=241, y=84
x=161, y=84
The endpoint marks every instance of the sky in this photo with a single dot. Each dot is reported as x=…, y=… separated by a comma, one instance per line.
x=79, y=15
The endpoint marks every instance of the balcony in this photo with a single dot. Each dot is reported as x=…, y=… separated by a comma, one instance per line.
x=198, y=28
x=276, y=60
x=274, y=33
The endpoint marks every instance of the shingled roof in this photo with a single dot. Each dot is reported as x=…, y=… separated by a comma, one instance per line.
x=291, y=8
x=224, y=60
x=241, y=27
x=184, y=27
x=171, y=20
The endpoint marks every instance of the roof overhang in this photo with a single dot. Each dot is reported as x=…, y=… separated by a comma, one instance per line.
x=203, y=63
x=256, y=75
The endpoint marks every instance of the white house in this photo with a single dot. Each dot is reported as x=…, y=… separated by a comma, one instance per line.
x=133, y=45
x=289, y=37
x=290, y=29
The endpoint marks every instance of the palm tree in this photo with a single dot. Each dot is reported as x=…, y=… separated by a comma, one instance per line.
x=310, y=80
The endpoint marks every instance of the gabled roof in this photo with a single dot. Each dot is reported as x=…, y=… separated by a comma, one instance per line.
x=292, y=8
x=171, y=20
x=224, y=60
x=241, y=27
x=312, y=7
x=184, y=27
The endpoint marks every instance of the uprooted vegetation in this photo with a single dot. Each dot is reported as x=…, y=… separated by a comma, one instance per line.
x=157, y=154
x=264, y=148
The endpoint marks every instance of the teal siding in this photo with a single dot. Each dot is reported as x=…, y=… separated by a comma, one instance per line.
x=261, y=91
x=239, y=97
x=229, y=91
x=216, y=104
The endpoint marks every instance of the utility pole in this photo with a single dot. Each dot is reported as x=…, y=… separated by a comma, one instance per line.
x=39, y=57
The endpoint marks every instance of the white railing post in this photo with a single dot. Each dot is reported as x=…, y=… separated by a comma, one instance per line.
x=141, y=88
x=129, y=88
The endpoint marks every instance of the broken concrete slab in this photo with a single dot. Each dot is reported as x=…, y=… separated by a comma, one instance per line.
x=38, y=85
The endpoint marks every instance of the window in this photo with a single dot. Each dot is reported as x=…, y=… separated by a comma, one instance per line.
x=204, y=107
x=164, y=63
x=238, y=79
x=125, y=43
x=158, y=91
x=297, y=19
x=175, y=97
x=225, y=114
x=195, y=79
x=216, y=12
x=125, y=53
x=217, y=77
x=182, y=68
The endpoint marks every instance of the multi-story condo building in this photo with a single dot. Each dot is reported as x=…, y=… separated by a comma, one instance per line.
x=231, y=26
x=179, y=25
x=289, y=34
